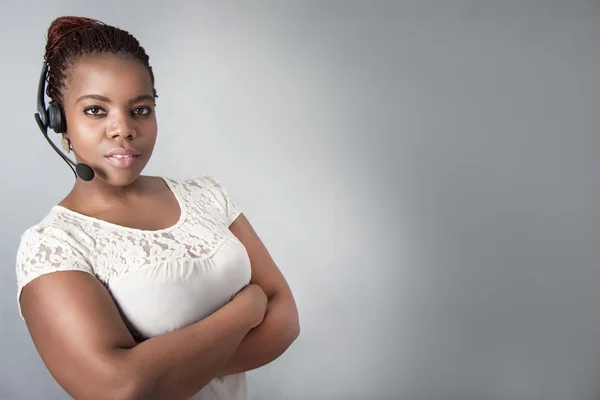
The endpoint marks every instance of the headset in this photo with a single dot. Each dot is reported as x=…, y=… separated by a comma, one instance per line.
x=53, y=117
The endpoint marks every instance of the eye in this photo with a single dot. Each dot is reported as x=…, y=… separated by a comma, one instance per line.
x=94, y=110
x=142, y=111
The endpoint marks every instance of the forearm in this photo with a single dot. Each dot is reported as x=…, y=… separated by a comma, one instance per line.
x=269, y=340
x=178, y=364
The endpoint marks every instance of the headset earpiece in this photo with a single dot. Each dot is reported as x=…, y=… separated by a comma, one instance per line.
x=56, y=118
x=52, y=117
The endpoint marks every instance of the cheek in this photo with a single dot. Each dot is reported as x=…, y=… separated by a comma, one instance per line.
x=85, y=144
x=82, y=125
x=85, y=135
x=150, y=130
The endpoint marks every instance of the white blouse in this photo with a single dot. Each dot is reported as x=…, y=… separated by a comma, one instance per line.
x=160, y=280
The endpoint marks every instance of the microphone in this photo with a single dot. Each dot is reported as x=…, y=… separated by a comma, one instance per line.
x=84, y=171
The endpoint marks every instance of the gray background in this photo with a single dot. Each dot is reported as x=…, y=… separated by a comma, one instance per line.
x=423, y=172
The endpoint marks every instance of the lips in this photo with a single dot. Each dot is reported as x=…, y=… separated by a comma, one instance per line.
x=122, y=157
x=123, y=151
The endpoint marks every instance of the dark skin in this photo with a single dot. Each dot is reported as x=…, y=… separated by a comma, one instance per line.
x=97, y=125
x=71, y=317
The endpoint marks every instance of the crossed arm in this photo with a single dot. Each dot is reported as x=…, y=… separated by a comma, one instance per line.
x=280, y=326
x=81, y=336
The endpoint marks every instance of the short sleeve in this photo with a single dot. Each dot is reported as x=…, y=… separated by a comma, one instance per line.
x=41, y=252
x=230, y=209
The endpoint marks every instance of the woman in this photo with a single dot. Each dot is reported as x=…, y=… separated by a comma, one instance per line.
x=134, y=286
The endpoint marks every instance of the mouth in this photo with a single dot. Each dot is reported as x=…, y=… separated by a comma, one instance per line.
x=122, y=160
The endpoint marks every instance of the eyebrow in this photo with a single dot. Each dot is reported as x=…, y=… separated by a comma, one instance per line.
x=107, y=100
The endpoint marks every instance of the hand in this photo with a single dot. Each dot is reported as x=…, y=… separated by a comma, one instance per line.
x=254, y=297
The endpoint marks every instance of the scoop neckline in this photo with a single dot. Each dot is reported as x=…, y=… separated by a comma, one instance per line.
x=182, y=215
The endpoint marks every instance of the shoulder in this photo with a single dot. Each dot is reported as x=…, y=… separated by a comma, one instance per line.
x=210, y=189
x=48, y=244
x=201, y=183
x=48, y=247
x=59, y=226
x=46, y=230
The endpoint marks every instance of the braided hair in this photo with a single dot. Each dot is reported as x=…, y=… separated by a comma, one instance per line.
x=70, y=37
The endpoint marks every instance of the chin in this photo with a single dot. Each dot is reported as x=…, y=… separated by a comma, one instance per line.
x=120, y=178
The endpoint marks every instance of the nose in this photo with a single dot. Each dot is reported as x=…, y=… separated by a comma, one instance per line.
x=121, y=126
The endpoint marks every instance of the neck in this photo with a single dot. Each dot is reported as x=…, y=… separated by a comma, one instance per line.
x=97, y=194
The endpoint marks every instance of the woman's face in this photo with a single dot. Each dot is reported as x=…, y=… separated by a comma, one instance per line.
x=109, y=106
